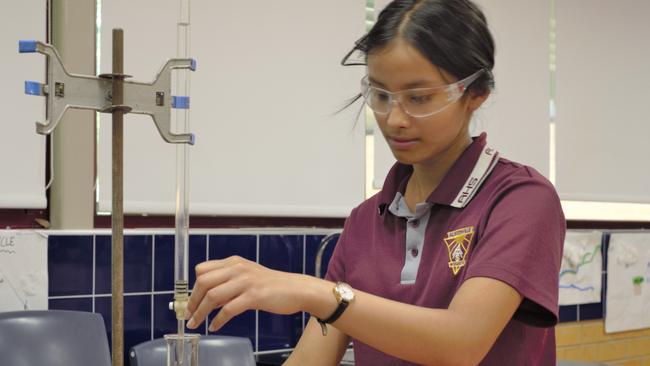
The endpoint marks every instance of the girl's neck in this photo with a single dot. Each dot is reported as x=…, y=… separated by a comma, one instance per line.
x=427, y=175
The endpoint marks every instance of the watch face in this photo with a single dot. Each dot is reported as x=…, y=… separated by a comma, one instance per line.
x=345, y=291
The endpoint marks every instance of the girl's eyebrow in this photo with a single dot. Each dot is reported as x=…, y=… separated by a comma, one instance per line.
x=411, y=85
x=375, y=81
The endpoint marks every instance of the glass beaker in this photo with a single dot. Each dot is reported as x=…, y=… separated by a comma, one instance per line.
x=182, y=350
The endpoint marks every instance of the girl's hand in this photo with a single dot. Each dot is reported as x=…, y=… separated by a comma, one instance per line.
x=235, y=285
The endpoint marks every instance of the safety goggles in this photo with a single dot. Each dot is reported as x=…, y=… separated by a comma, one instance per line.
x=418, y=102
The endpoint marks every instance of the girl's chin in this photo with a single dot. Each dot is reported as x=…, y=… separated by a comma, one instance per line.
x=406, y=158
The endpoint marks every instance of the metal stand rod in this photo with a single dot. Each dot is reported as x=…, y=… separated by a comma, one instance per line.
x=117, y=214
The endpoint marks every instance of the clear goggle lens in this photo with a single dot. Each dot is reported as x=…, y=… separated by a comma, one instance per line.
x=419, y=102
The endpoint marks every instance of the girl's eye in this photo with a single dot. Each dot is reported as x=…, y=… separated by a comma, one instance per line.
x=381, y=97
x=420, y=99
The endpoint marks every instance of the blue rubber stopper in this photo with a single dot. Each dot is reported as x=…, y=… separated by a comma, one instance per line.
x=26, y=46
x=180, y=102
x=33, y=88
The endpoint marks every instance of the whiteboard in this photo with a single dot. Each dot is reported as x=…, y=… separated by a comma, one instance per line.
x=628, y=282
x=22, y=151
x=581, y=269
x=23, y=270
x=602, y=97
x=516, y=115
x=264, y=101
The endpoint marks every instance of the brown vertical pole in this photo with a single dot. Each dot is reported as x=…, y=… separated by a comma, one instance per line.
x=117, y=214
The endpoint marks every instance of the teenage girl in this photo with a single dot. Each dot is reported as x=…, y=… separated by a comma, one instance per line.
x=456, y=260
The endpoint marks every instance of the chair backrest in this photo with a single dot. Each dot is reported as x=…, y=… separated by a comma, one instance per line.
x=53, y=338
x=213, y=351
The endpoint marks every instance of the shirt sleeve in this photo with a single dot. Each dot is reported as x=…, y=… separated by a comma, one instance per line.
x=336, y=267
x=521, y=244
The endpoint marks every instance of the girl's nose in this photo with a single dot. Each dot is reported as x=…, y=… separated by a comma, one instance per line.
x=396, y=116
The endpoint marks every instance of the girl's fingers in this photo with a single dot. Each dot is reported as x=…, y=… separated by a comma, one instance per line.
x=203, y=284
x=233, y=308
x=210, y=274
x=215, y=297
x=208, y=266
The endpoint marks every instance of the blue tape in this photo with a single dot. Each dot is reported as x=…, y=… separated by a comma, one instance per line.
x=192, y=139
x=33, y=88
x=180, y=102
x=27, y=46
x=193, y=65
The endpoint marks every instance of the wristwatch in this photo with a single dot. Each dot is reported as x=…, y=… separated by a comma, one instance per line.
x=344, y=296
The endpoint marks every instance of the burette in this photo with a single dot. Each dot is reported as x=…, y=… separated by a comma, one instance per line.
x=181, y=239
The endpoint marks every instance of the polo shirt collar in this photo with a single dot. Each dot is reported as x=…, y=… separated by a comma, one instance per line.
x=458, y=186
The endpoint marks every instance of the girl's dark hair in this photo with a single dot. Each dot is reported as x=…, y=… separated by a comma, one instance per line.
x=452, y=34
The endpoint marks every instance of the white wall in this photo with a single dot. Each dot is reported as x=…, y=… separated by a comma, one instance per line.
x=264, y=99
x=22, y=151
x=603, y=58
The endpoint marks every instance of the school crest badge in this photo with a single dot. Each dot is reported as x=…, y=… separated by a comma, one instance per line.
x=458, y=243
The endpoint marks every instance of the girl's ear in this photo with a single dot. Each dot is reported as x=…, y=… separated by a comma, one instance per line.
x=475, y=100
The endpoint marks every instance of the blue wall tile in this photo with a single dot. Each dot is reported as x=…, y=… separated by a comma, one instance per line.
x=591, y=311
x=224, y=246
x=137, y=264
x=70, y=265
x=603, y=296
x=279, y=331
x=284, y=253
x=242, y=325
x=103, y=261
x=312, y=242
x=568, y=313
x=76, y=304
x=198, y=254
x=137, y=322
x=103, y=307
x=164, y=261
x=605, y=247
x=164, y=320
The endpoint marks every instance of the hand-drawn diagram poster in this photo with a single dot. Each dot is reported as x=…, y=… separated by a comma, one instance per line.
x=628, y=277
x=582, y=265
x=23, y=271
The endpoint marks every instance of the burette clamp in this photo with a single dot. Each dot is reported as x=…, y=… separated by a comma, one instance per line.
x=64, y=91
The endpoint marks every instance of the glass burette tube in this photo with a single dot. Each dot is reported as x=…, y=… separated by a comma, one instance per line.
x=181, y=242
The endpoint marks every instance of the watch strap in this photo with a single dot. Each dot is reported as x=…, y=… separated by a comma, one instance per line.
x=332, y=318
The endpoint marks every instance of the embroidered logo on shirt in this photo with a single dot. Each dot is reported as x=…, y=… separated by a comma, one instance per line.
x=458, y=242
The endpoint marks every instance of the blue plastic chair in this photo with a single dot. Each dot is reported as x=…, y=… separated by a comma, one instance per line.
x=213, y=350
x=53, y=338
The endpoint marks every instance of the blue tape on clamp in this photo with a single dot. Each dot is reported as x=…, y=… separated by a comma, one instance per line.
x=193, y=65
x=33, y=88
x=192, y=139
x=180, y=102
x=27, y=46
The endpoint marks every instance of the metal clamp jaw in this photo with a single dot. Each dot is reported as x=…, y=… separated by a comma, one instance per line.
x=64, y=90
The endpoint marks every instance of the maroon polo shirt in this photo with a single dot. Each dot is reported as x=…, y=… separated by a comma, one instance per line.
x=489, y=217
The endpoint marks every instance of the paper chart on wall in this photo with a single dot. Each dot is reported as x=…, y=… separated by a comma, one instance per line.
x=23, y=271
x=581, y=270
x=628, y=282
